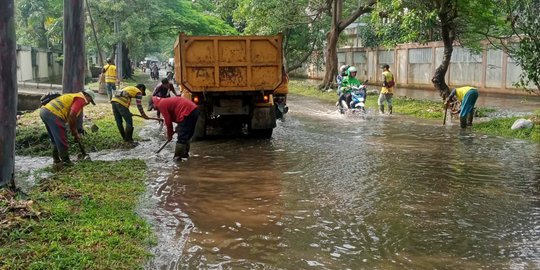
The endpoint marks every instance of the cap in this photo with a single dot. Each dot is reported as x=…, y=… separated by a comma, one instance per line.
x=91, y=94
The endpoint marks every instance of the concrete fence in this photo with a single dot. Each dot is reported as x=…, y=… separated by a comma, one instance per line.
x=413, y=65
x=38, y=65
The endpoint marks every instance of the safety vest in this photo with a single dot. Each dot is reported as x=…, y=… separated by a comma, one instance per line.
x=110, y=74
x=389, y=77
x=460, y=92
x=61, y=106
x=129, y=93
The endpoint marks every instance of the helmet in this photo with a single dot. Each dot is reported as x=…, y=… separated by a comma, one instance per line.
x=343, y=70
x=351, y=70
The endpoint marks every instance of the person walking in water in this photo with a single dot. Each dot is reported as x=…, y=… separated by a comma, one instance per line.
x=467, y=95
x=387, y=90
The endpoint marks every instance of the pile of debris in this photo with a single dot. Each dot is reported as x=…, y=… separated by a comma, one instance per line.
x=14, y=210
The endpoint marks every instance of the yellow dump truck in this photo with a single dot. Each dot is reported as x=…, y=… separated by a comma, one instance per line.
x=238, y=82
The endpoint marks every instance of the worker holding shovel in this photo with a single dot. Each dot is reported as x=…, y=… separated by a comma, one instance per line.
x=185, y=113
x=120, y=106
x=60, y=111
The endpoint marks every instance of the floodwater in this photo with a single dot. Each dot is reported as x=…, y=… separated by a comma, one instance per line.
x=335, y=192
x=329, y=192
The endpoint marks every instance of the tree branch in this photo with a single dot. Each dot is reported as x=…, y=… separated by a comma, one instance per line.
x=342, y=24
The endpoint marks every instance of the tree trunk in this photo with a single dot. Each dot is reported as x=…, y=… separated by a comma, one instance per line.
x=338, y=25
x=331, y=46
x=126, y=63
x=330, y=60
x=74, y=53
x=448, y=37
x=8, y=93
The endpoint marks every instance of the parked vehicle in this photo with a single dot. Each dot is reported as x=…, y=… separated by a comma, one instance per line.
x=237, y=81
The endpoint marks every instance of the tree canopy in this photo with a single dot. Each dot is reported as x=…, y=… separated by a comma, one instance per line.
x=309, y=27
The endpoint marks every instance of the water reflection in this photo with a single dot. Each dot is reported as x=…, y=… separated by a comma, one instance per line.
x=232, y=200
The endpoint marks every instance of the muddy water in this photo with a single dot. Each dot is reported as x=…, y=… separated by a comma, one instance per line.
x=329, y=192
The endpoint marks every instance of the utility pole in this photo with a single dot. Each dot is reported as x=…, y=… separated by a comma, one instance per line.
x=8, y=93
x=119, y=52
x=74, y=53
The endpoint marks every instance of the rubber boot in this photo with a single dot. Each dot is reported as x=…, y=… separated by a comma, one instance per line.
x=122, y=133
x=470, y=118
x=381, y=109
x=188, y=146
x=56, y=156
x=463, y=122
x=180, y=151
x=129, y=134
x=66, y=162
x=129, y=137
x=389, y=109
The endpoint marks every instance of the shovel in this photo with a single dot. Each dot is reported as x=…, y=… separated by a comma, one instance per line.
x=445, y=112
x=163, y=146
x=149, y=118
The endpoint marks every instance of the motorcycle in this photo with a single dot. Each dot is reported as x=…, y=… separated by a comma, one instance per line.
x=154, y=74
x=353, y=102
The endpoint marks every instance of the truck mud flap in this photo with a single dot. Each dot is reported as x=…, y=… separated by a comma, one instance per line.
x=263, y=118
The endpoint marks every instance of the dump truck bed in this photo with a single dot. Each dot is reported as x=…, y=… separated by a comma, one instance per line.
x=228, y=63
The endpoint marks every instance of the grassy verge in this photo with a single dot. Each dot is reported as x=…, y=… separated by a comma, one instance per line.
x=80, y=218
x=501, y=127
x=32, y=139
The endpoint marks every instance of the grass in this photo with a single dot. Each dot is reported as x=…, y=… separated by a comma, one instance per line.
x=83, y=218
x=32, y=139
x=501, y=127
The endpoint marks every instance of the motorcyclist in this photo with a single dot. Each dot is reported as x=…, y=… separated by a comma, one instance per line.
x=339, y=78
x=346, y=85
x=170, y=72
x=154, y=70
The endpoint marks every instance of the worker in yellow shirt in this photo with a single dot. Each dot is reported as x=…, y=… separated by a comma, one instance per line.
x=120, y=106
x=60, y=112
x=111, y=77
x=467, y=95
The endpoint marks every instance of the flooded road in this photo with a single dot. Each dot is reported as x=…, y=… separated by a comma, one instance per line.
x=328, y=192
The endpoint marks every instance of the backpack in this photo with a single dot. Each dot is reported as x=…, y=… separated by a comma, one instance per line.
x=46, y=98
